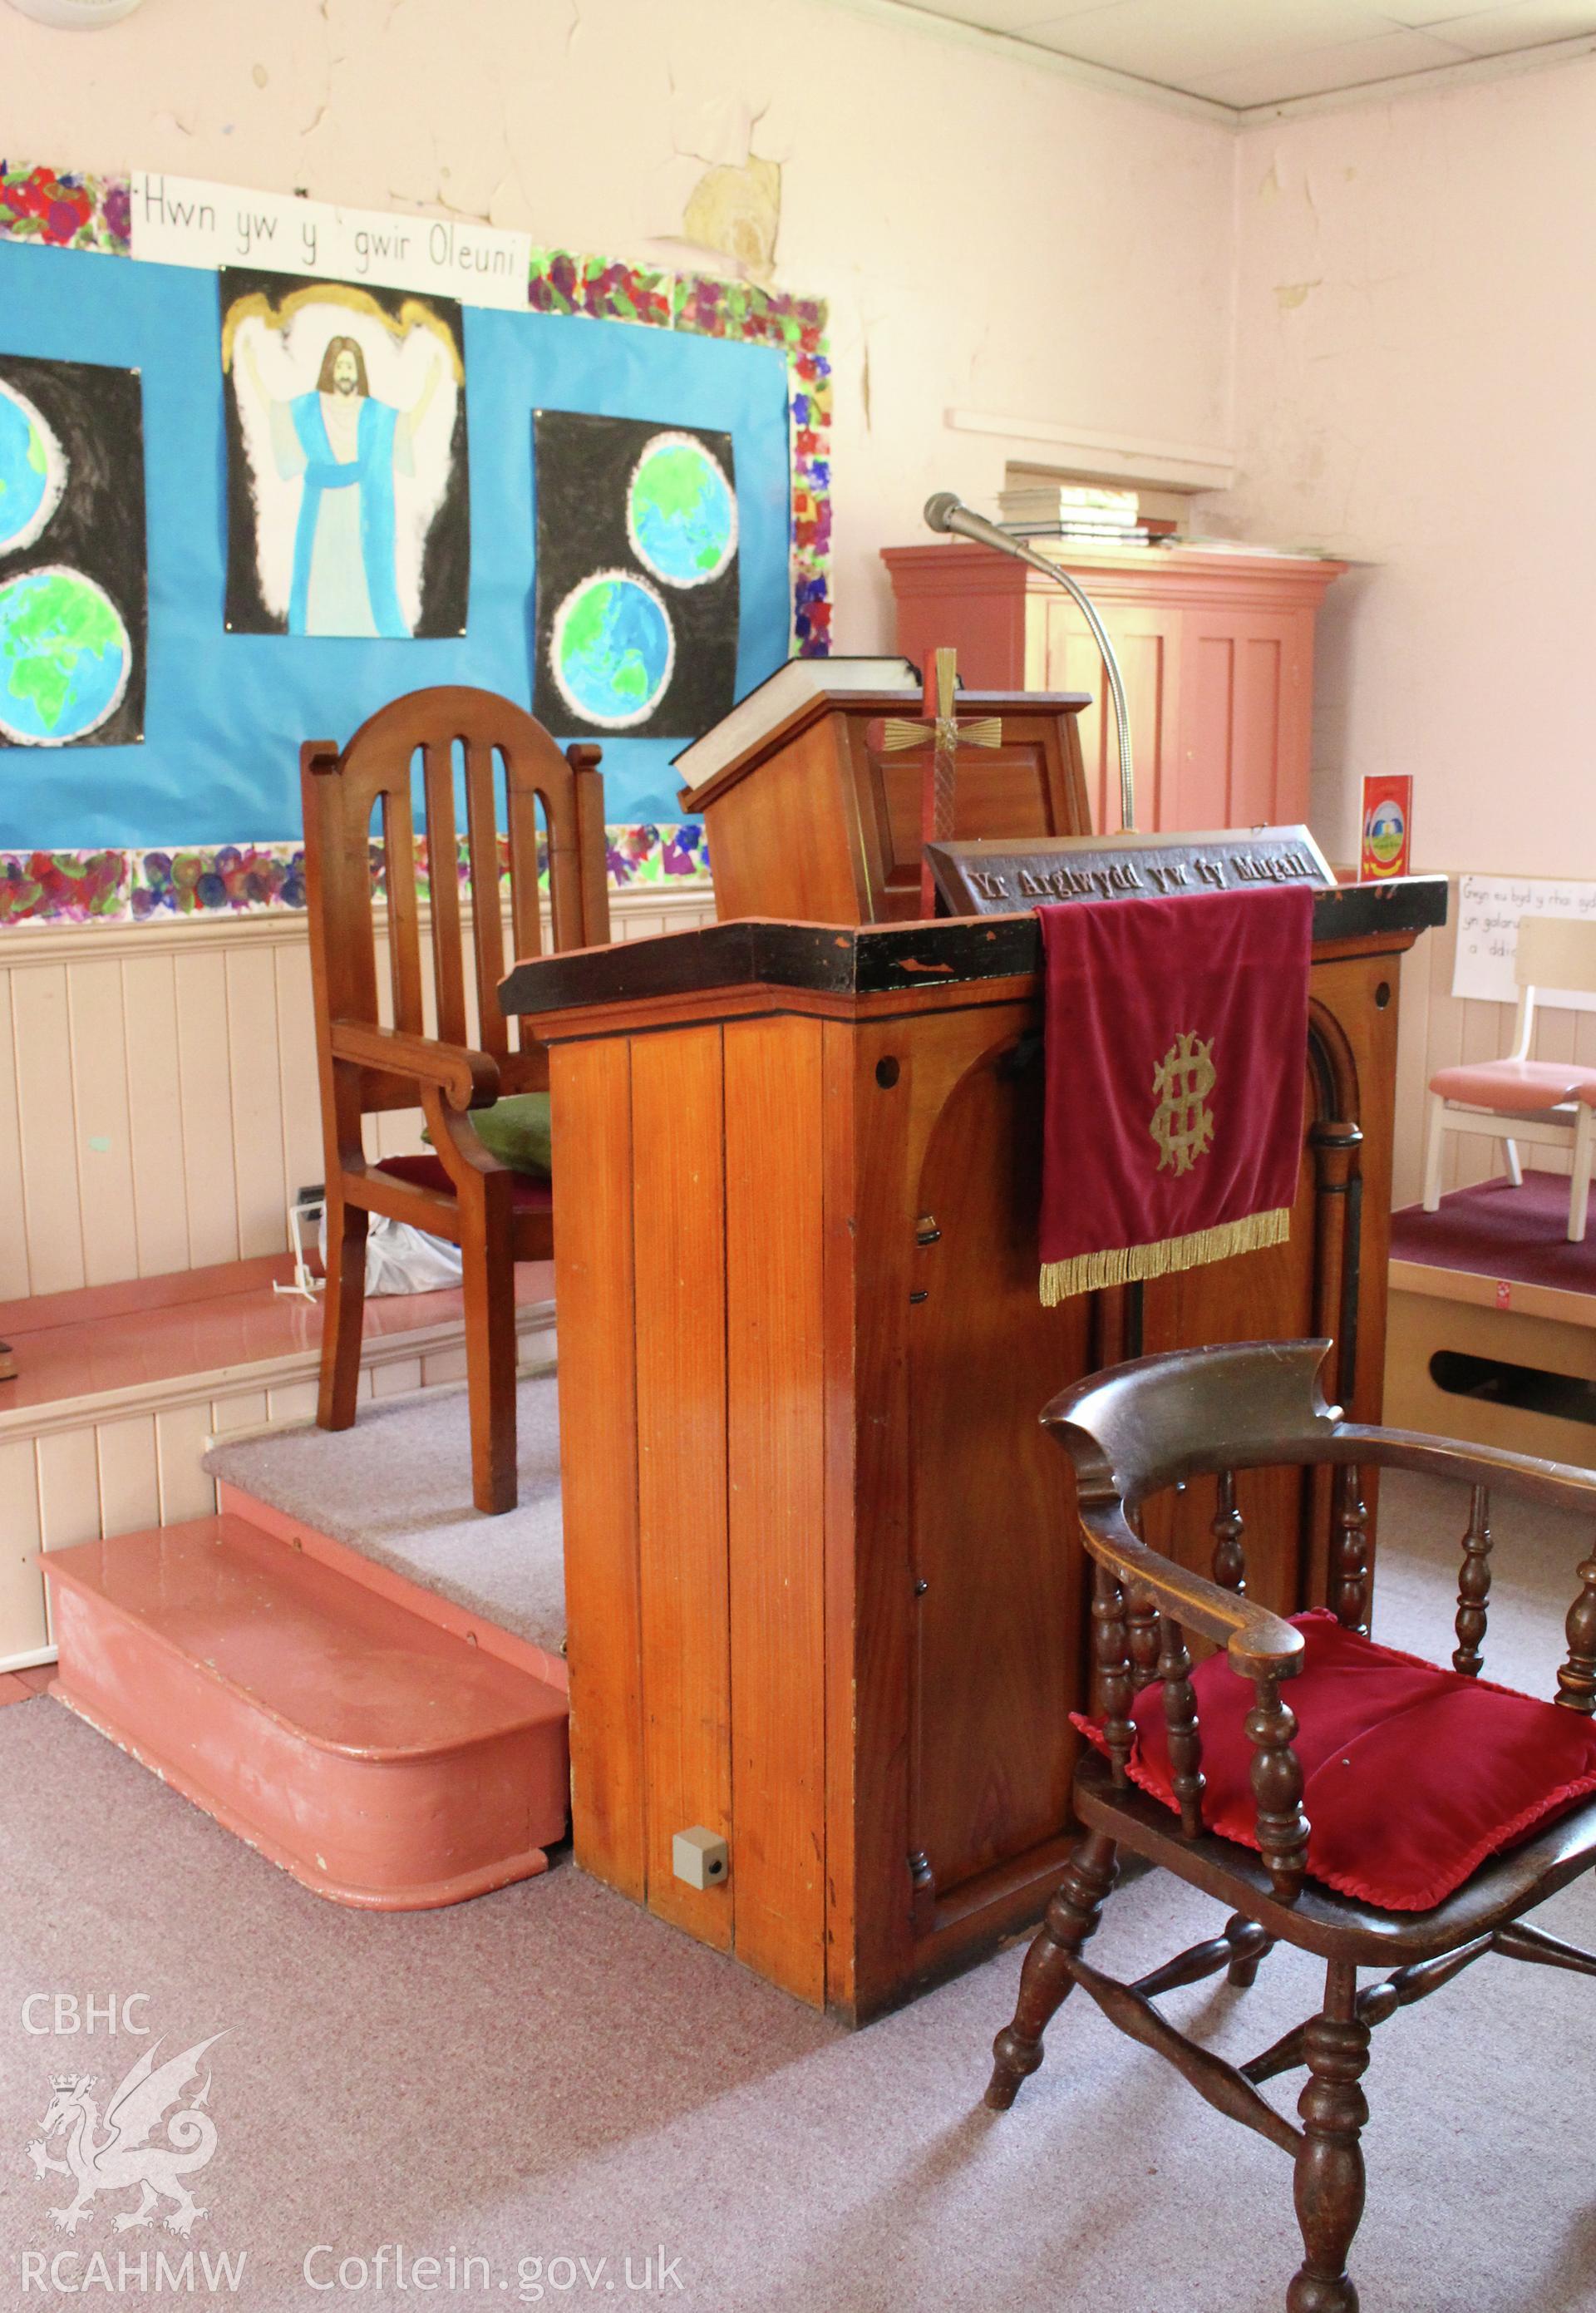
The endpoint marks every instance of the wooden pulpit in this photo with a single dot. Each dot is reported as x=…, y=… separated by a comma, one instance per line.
x=818, y=818
x=826, y=1595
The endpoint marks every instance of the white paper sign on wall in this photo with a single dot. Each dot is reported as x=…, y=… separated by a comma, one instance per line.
x=1488, y=910
x=188, y=221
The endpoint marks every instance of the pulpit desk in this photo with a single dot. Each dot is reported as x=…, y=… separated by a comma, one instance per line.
x=825, y=1594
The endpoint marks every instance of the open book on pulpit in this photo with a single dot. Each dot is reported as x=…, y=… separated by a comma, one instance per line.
x=813, y=789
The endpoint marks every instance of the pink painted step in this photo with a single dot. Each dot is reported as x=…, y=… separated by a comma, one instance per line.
x=383, y=1759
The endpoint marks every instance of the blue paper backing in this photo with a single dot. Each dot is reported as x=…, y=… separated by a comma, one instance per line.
x=225, y=713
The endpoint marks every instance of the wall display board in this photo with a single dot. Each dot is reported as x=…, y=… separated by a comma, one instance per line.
x=71, y=555
x=341, y=504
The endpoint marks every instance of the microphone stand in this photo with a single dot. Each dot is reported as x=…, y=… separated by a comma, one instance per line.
x=946, y=513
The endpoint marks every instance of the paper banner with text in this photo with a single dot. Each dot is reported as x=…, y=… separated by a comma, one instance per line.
x=188, y=221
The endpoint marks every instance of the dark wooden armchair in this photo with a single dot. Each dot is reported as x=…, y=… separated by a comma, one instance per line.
x=461, y=1192
x=1158, y=1422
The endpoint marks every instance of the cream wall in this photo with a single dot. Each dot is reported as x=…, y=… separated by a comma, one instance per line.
x=1417, y=390
x=989, y=234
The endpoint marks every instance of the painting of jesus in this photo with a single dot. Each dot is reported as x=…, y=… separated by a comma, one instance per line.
x=347, y=496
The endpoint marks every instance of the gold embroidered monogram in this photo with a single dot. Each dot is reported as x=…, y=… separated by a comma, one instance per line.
x=1182, y=1125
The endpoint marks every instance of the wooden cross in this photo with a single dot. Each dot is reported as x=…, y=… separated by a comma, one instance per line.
x=946, y=734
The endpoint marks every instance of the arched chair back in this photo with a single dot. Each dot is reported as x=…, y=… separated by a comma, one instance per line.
x=456, y=1056
x=373, y=777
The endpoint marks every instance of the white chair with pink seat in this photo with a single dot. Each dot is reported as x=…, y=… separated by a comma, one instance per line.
x=1549, y=1104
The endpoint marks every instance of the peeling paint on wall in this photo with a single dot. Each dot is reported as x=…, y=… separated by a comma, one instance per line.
x=737, y=213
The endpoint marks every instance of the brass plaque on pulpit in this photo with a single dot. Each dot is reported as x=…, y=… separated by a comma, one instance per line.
x=997, y=878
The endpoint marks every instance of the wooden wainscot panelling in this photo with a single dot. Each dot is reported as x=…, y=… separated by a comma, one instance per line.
x=155, y=1118
x=204, y=1107
x=254, y=1044
x=130, y=1475
x=52, y=1204
x=23, y=1635
x=158, y=1094
x=100, y=1039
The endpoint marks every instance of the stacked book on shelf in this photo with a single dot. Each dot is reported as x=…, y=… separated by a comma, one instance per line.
x=1082, y=511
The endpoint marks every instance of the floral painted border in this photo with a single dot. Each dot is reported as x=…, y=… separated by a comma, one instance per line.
x=230, y=879
x=64, y=209
x=73, y=209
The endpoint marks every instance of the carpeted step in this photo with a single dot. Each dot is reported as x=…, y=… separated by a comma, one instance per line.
x=383, y=1759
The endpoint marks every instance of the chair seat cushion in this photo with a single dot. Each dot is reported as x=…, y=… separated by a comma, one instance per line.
x=517, y=1130
x=1412, y=1775
x=529, y=1195
x=1521, y=1086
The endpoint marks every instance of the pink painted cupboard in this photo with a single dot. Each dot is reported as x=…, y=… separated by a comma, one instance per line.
x=1216, y=650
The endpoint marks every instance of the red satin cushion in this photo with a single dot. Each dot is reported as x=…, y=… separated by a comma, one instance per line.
x=528, y=1194
x=1412, y=1775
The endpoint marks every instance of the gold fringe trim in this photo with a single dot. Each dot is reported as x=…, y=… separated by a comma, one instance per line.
x=1126, y=1264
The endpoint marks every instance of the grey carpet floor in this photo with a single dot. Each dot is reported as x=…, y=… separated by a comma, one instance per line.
x=398, y=1487
x=546, y=2073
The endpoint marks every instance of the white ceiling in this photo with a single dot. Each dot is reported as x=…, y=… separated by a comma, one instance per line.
x=1247, y=53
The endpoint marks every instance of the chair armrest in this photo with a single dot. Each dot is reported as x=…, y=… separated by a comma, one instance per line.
x=1258, y=1646
x=1258, y=1642
x=1562, y=1484
x=466, y=1078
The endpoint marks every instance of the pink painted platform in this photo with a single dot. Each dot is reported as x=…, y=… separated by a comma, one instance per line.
x=354, y=1730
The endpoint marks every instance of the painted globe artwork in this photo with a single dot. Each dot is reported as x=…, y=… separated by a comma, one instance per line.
x=682, y=516
x=613, y=649
x=65, y=655
x=32, y=471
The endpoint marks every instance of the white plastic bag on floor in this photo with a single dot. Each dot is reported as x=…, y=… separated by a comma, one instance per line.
x=401, y=1258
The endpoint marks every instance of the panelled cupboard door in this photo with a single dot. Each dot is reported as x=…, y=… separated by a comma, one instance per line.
x=1062, y=656
x=1246, y=708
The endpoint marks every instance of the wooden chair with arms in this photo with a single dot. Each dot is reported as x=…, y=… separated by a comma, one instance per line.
x=461, y=1192
x=1131, y=1432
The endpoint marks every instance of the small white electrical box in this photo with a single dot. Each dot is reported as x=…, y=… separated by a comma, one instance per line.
x=700, y=1857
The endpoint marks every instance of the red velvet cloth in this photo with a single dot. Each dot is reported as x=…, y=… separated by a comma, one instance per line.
x=1411, y=1776
x=1125, y=981
x=530, y=1193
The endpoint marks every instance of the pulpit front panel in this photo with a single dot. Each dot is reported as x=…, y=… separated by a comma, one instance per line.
x=825, y=1583
x=998, y=1620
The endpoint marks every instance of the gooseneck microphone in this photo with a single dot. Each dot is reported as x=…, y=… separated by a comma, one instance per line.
x=946, y=513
